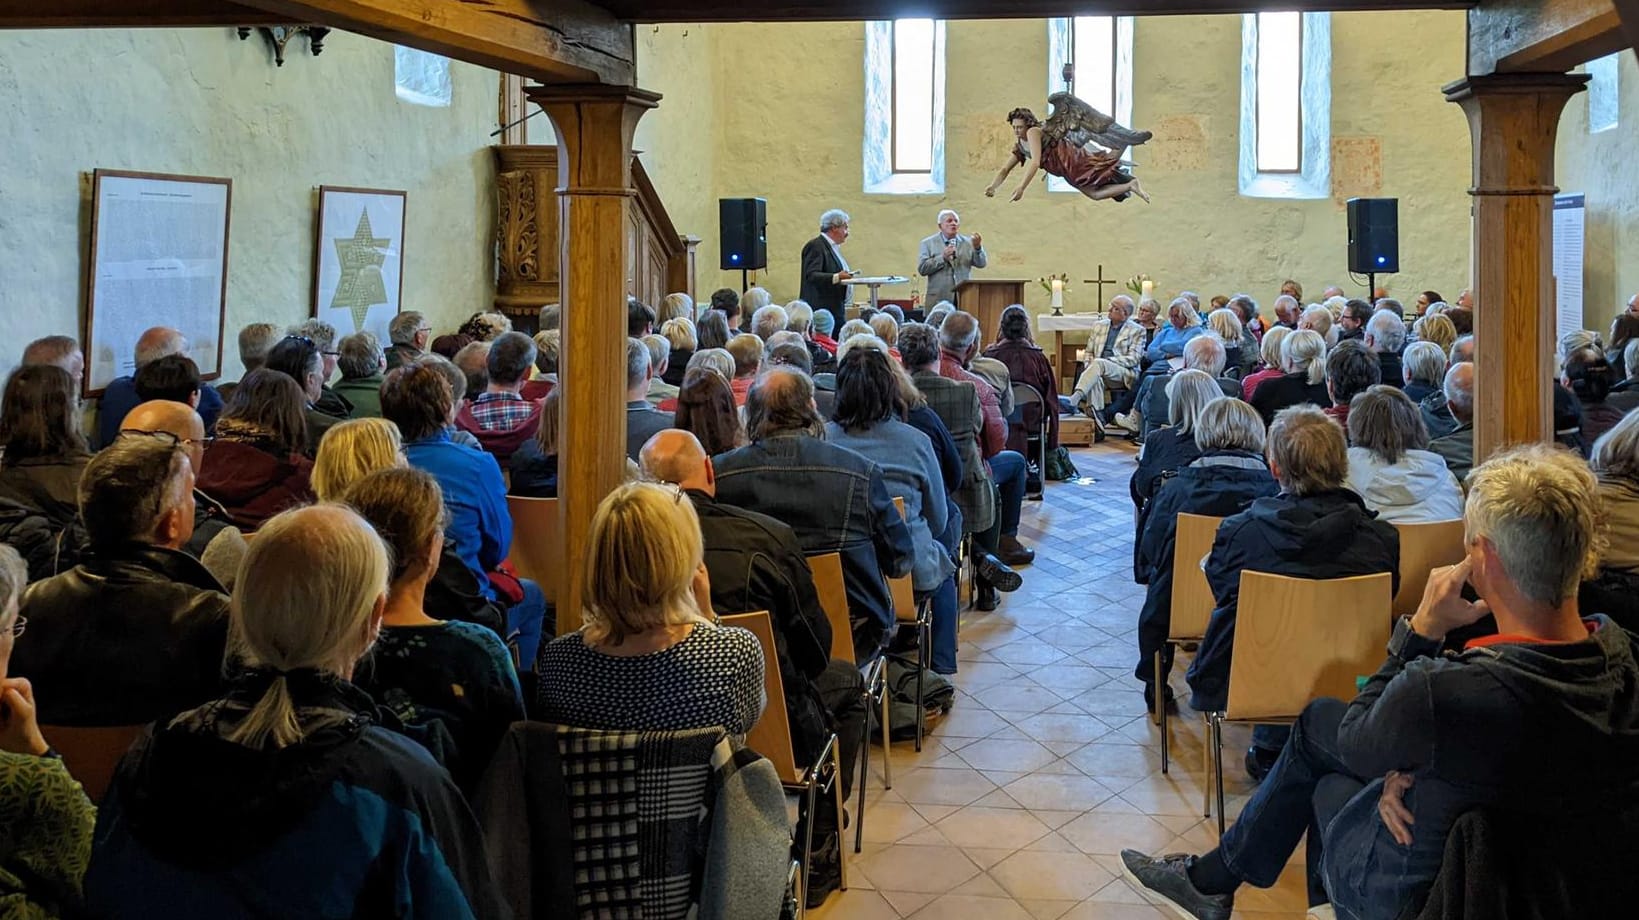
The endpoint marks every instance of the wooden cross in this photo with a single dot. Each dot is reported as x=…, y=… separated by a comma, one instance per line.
x=1100, y=281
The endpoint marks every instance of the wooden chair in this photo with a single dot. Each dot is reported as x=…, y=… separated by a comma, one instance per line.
x=771, y=737
x=92, y=754
x=907, y=612
x=1298, y=640
x=1192, y=604
x=537, y=544
x=1423, y=548
x=833, y=598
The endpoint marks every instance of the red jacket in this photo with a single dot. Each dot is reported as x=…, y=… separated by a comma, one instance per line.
x=253, y=485
x=995, y=431
x=501, y=443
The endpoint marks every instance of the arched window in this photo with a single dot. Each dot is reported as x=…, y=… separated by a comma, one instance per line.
x=1101, y=47
x=1286, y=105
x=905, y=106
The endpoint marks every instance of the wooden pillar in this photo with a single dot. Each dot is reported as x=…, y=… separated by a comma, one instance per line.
x=1513, y=119
x=595, y=124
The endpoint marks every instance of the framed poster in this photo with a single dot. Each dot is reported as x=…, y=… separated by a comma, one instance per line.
x=358, y=259
x=159, y=257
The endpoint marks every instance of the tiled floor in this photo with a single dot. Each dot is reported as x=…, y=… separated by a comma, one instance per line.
x=1048, y=767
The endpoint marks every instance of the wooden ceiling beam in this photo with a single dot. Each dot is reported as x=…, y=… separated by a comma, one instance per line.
x=551, y=41
x=129, y=14
x=1628, y=10
x=659, y=11
x=1541, y=36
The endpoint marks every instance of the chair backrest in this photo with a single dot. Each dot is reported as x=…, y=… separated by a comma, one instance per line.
x=1024, y=394
x=1424, y=547
x=771, y=736
x=92, y=754
x=1192, y=600
x=537, y=544
x=900, y=589
x=1299, y=639
x=833, y=598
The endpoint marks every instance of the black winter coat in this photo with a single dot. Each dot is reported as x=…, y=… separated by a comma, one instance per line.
x=1165, y=453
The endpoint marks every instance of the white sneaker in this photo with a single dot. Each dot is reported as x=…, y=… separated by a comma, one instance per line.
x=1323, y=912
x=1128, y=421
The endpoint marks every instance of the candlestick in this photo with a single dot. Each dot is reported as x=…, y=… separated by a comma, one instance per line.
x=1058, y=294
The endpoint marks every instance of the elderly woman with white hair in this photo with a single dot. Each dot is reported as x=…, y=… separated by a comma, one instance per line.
x=284, y=797
x=1303, y=360
x=1172, y=446
x=1229, y=473
x=800, y=319
x=769, y=319
x=1390, y=465
x=1423, y=367
x=1269, y=352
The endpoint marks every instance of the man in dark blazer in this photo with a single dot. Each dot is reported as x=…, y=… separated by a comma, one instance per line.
x=824, y=269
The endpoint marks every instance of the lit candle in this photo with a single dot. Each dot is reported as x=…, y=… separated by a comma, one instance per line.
x=1148, y=286
x=1058, y=294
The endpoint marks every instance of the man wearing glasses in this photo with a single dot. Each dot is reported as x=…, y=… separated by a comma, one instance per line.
x=324, y=336
x=215, y=541
x=409, y=332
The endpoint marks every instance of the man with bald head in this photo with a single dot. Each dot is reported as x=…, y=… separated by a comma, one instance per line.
x=756, y=563
x=215, y=541
x=1458, y=447
x=121, y=397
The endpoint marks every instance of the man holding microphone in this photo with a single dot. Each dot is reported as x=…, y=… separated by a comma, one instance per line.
x=948, y=258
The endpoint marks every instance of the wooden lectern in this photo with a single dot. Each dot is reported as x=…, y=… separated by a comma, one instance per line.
x=986, y=300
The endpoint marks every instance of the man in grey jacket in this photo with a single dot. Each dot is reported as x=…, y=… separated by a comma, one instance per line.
x=948, y=258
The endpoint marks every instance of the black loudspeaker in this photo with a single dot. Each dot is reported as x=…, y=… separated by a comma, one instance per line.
x=1374, y=235
x=742, y=227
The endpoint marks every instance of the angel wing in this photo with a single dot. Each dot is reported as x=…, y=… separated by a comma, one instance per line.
x=1080, y=123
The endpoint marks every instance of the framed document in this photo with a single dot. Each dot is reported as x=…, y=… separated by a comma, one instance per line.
x=159, y=257
x=358, y=259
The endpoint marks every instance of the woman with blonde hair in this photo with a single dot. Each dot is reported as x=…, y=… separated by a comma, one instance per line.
x=1436, y=328
x=1303, y=360
x=283, y=797
x=1239, y=355
x=351, y=450
x=679, y=333
x=886, y=328
x=427, y=671
x=674, y=306
x=649, y=655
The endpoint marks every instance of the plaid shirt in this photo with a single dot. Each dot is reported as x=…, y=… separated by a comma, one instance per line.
x=501, y=411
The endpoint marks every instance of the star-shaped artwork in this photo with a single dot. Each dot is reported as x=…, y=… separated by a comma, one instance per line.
x=361, y=286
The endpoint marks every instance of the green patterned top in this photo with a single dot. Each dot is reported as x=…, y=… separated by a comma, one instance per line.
x=45, y=837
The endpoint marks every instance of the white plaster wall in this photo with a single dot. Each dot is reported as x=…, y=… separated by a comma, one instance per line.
x=1601, y=167
x=199, y=101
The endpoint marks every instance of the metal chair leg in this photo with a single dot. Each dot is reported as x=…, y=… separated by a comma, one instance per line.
x=887, y=759
x=1218, y=749
x=836, y=795
x=1206, y=765
x=809, y=797
x=924, y=651
x=864, y=771
x=1161, y=715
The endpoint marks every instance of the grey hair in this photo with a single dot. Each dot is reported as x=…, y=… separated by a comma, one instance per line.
x=1456, y=394
x=852, y=328
x=1319, y=319
x=360, y=355
x=1540, y=509
x=1289, y=301
x=1304, y=351
x=1125, y=302
x=1388, y=331
x=637, y=362
x=255, y=341
x=172, y=343
x=941, y=217
x=402, y=328
x=755, y=299
x=1307, y=450
x=322, y=333
x=784, y=337
x=1269, y=350
x=769, y=319
x=1188, y=392
x=1616, y=454
x=717, y=359
x=865, y=339
x=1206, y=353
x=799, y=317
x=1247, y=303
x=833, y=219
x=958, y=333
x=13, y=579
x=660, y=350
x=1229, y=424
x=1424, y=362
x=1191, y=316
x=1630, y=359
x=941, y=311
x=1463, y=344
x=782, y=399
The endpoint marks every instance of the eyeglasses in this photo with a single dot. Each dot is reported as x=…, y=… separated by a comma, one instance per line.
x=331, y=354
x=18, y=625
x=168, y=436
x=300, y=338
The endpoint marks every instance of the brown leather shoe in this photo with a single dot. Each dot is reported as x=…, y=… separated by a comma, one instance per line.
x=1014, y=553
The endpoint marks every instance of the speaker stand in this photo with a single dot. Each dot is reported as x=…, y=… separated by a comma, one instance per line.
x=745, y=282
x=1371, y=288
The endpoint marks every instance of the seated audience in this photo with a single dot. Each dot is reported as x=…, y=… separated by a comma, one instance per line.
x=747, y=351
x=173, y=377
x=1252, y=325
x=824, y=325
x=886, y=328
x=534, y=466
x=448, y=346
x=1624, y=329
x=1240, y=349
x=1270, y=366
x=1462, y=320
x=958, y=344
x=660, y=353
x=1588, y=375
x=1386, y=338
x=705, y=408
x=1298, y=533
x=769, y=320
x=1390, y=465
x=409, y=332
x=299, y=358
x=473, y=362
x=1204, y=353
x=1615, y=588
x=836, y=500
x=500, y=417
x=1436, y=329
x=1318, y=319
x=1303, y=378
x=754, y=299
x=680, y=335
x=1351, y=369
x=649, y=656
x=551, y=317
x=324, y=338
x=1352, y=322
x=1026, y=364
x=417, y=400
x=1172, y=447
x=1229, y=473
x=362, y=367
x=674, y=306
x=1425, y=300
x=216, y=542
x=430, y=671
x=642, y=418
x=48, y=818
x=42, y=452
x=120, y=397
x=639, y=318
x=800, y=319
x=136, y=631
x=869, y=420
x=726, y=302
x=485, y=327
x=1456, y=446
x=257, y=465
x=1115, y=348
x=281, y=797
x=457, y=383
x=545, y=376
x=60, y=351
x=1287, y=310
x=1624, y=394
x=712, y=331
x=1183, y=324
x=1378, y=782
x=1424, y=370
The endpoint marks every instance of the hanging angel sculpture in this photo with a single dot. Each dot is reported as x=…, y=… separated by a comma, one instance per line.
x=1077, y=143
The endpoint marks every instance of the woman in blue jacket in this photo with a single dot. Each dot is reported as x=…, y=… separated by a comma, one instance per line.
x=1183, y=324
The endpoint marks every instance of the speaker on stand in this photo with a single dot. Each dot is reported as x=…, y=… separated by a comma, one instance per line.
x=1374, y=238
x=742, y=229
